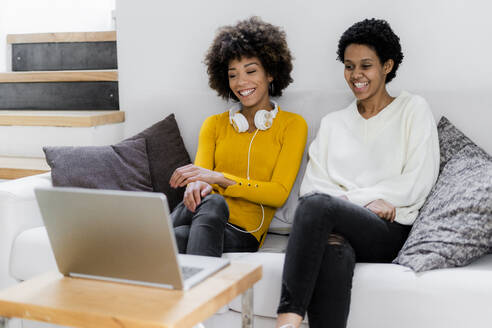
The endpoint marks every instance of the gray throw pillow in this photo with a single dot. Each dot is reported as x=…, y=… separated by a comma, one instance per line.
x=451, y=140
x=454, y=226
x=123, y=166
x=166, y=152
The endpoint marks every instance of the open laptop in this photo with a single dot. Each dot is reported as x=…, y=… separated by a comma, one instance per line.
x=122, y=236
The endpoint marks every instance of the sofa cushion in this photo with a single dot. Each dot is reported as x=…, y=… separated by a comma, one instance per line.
x=274, y=243
x=266, y=292
x=31, y=254
x=166, y=152
x=454, y=297
x=123, y=166
x=454, y=226
x=284, y=216
x=397, y=289
x=278, y=226
x=372, y=282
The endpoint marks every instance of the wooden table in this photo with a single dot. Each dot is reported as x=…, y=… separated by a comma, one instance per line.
x=80, y=302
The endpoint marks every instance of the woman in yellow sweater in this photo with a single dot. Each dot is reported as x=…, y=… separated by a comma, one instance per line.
x=248, y=157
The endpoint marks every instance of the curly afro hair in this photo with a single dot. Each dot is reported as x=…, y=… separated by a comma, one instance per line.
x=378, y=35
x=249, y=38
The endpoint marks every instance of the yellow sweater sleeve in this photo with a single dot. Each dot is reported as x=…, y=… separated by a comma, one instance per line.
x=274, y=192
x=205, y=153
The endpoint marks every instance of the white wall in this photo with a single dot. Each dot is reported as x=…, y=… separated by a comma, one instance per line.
x=161, y=45
x=38, y=16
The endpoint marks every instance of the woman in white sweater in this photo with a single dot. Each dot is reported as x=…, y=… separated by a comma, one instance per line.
x=370, y=168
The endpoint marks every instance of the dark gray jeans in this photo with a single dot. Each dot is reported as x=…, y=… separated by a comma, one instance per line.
x=205, y=232
x=317, y=275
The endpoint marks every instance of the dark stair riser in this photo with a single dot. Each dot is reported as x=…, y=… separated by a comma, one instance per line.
x=59, y=95
x=64, y=56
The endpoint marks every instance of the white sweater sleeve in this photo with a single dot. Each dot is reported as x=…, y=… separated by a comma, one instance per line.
x=411, y=187
x=316, y=177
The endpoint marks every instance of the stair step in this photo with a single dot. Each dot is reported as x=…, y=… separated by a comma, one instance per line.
x=59, y=76
x=63, y=51
x=64, y=56
x=60, y=90
x=18, y=167
x=62, y=37
x=60, y=118
x=59, y=96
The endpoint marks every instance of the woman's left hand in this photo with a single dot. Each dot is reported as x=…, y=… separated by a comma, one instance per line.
x=194, y=194
x=383, y=209
x=189, y=173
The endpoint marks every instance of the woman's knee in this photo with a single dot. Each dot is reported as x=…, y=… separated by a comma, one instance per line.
x=317, y=201
x=216, y=203
x=312, y=209
x=212, y=211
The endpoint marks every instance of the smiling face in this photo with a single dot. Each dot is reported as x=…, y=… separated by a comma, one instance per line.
x=364, y=72
x=249, y=82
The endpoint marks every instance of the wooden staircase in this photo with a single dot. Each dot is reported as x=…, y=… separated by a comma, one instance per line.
x=63, y=90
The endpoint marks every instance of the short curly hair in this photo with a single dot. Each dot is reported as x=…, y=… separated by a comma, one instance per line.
x=378, y=35
x=249, y=38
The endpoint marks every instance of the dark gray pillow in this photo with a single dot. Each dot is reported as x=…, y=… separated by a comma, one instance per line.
x=451, y=140
x=166, y=152
x=454, y=226
x=123, y=166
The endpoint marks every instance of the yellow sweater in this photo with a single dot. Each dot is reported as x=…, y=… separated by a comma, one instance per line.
x=275, y=158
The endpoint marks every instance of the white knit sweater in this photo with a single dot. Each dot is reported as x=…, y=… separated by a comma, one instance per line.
x=392, y=156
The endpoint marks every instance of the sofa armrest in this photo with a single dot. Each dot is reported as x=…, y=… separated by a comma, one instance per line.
x=18, y=212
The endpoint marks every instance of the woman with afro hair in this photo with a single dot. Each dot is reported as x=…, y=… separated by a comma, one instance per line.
x=370, y=168
x=248, y=157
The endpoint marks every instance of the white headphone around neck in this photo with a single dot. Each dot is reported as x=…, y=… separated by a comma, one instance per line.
x=263, y=118
x=263, y=121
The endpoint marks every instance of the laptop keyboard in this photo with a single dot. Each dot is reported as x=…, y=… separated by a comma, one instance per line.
x=189, y=271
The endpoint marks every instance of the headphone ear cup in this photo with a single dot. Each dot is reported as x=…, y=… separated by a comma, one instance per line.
x=239, y=122
x=263, y=119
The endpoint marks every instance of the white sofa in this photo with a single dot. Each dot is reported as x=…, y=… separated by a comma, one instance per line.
x=383, y=295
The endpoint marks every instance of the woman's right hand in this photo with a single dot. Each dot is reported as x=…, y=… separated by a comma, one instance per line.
x=194, y=193
x=184, y=175
x=382, y=209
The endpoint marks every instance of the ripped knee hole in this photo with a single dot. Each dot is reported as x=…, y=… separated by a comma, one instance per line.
x=334, y=239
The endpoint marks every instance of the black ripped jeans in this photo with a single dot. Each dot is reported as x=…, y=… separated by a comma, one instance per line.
x=205, y=232
x=317, y=275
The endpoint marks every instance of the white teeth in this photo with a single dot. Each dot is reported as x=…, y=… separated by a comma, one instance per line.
x=360, y=84
x=247, y=92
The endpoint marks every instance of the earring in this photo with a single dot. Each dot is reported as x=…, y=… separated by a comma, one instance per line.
x=271, y=88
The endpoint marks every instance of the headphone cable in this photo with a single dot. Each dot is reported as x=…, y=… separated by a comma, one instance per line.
x=247, y=176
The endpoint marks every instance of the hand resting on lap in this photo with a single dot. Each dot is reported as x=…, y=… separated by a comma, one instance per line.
x=383, y=209
x=194, y=193
x=380, y=207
